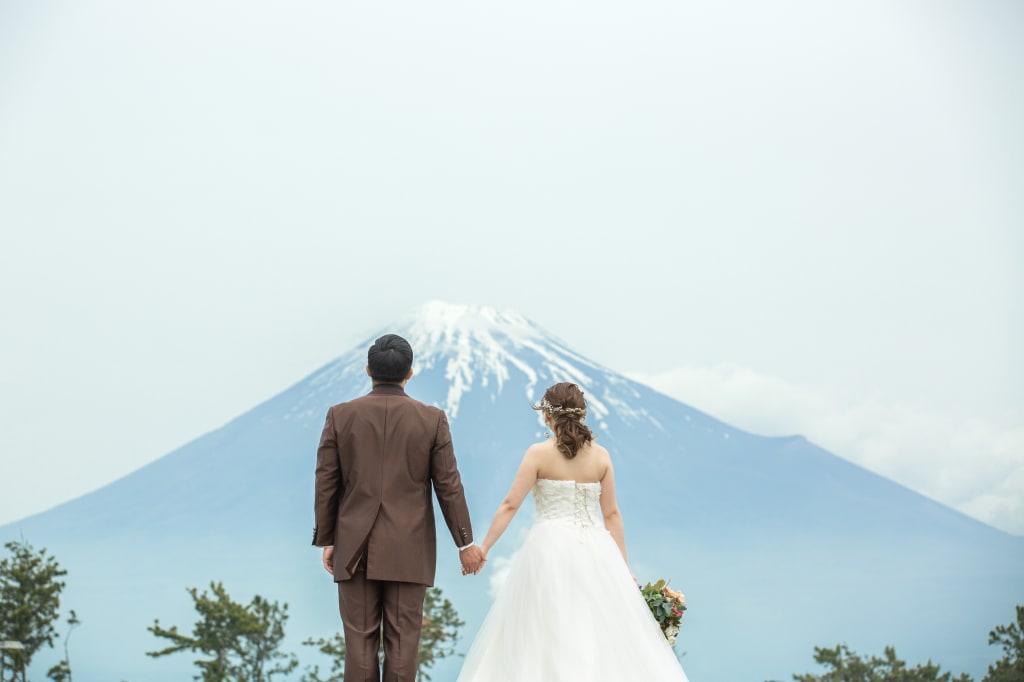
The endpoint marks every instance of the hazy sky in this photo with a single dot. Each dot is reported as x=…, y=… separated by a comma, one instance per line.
x=797, y=216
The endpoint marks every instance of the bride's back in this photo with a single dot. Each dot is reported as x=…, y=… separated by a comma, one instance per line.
x=588, y=466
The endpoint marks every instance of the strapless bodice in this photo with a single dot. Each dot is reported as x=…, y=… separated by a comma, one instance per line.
x=579, y=503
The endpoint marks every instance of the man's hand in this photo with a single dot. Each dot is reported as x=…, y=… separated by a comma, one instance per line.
x=473, y=559
x=329, y=560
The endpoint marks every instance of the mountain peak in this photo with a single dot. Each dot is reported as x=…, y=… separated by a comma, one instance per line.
x=436, y=325
x=464, y=348
x=478, y=346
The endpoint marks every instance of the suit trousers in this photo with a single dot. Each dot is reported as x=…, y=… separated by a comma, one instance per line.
x=371, y=609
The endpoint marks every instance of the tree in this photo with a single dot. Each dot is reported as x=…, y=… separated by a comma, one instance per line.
x=30, y=587
x=440, y=631
x=333, y=647
x=243, y=642
x=62, y=671
x=847, y=666
x=437, y=640
x=1010, y=668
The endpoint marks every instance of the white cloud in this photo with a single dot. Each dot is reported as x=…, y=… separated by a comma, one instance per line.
x=972, y=465
x=500, y=567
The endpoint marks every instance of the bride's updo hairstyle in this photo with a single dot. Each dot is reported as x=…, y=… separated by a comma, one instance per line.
x=565, y=404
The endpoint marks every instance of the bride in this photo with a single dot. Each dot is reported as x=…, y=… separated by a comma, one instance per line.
x=570, y=609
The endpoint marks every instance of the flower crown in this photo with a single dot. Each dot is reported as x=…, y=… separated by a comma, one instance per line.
x=548, y=407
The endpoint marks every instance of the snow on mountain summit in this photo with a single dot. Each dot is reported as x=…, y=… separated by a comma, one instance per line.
x=476, y=348
x=479, y=345
x=438, y=323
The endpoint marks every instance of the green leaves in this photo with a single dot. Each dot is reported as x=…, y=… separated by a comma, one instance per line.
x=440, y=631
x=667, y=606
x=1010, y=668
x=847, y=666
x=240, y=643
x=30, y=588
x=333, y=647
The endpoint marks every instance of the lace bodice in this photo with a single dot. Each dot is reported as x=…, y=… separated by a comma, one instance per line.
x=569, y=501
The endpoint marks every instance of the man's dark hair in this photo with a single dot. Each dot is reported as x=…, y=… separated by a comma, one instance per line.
x=389, y=359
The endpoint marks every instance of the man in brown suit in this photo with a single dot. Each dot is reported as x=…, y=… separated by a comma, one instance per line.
x=378, y=457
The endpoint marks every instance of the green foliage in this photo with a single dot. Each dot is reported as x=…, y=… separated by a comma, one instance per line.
x=242, y=642
x=440, y=631
x=62, y=671
x=1010, y=668
x=30, y=587
x=847, y=666
x=667, y=606
x=438, y=637
x=333, y=647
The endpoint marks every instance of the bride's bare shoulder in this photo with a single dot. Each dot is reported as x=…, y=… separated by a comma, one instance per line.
x=541, y=446
x=539, y=450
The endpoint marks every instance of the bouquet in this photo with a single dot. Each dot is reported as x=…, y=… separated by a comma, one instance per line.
x=667, y=607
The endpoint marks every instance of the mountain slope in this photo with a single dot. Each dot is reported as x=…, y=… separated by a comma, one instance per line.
x=778, y=544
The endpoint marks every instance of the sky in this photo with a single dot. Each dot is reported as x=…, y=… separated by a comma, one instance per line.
x=799, y=217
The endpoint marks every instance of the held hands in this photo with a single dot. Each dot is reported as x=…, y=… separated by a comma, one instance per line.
x=473, y=559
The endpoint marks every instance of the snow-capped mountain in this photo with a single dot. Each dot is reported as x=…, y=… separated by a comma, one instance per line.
x=778, y=544
x=483, y=349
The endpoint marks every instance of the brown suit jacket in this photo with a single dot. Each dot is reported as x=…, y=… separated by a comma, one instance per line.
x=378, y=457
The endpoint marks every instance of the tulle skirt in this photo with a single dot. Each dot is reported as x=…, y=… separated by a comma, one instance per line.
x=569, y=611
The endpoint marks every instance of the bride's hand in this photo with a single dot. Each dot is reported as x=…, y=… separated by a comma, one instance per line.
x=483, y=559
x=472, y=559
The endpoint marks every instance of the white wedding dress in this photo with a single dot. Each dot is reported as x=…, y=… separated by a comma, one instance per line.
x=569, y=610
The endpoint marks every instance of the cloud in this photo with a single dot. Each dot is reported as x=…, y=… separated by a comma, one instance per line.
x=972, y=465
x=500, y=567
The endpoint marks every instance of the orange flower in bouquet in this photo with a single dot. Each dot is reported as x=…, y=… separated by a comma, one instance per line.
x=667, y=606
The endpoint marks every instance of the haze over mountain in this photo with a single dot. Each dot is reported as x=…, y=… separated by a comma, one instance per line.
x=778, y=544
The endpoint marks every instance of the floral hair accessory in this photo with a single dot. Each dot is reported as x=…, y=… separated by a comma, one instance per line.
x=548, y=407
